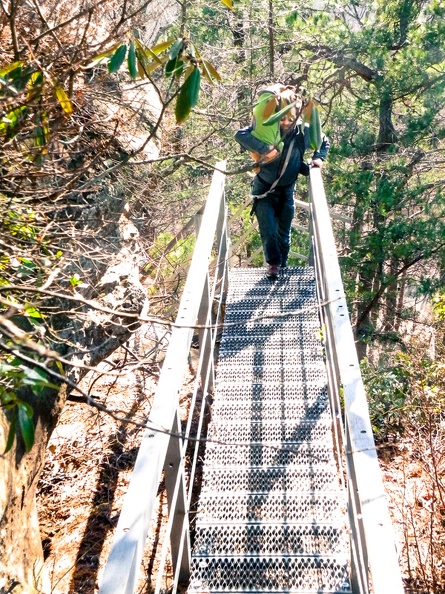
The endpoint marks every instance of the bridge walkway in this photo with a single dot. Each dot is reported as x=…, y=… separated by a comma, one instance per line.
x=272, y=510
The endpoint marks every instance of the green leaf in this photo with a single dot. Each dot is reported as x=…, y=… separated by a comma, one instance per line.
x=27, y=408
x=142, y=53
x=75, y=280
x=192, y=50
x=117, y=59
x=170, y=67
x=131, y=60
x=35, y=86
x=8, y=398
x=39, y=137
x=8, y=69
x=37, y=380
x=307, y=111
x=210, y=71
x=11, y=432
x=26, y=425
x=315, y=133
x=279, y=114
x=15, y=362
x=34, y=376
x=188, y=96
x=149, y=67
x=195, y=51
x=161, y=47
x=32, y=312
x=99, y=57
x=12, y=118
x=20, y=76
x=175, y=49
x=150, y=53
x=141, y=63
x=174, y=67
x=60, y=367
x=63, y=99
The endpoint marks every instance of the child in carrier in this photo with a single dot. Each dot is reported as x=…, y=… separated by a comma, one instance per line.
x=272, y=99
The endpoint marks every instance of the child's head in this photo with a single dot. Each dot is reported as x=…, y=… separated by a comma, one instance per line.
x=288, y=120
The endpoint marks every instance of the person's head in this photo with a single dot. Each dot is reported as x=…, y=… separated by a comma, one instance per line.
x=287, y=97
x=288, y=121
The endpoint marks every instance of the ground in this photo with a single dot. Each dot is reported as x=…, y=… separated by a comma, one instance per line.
x=88, y=468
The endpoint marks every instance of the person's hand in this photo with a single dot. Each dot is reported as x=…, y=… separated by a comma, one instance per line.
x=317, y=163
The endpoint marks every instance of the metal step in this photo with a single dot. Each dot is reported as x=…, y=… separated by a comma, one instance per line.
x=270, y=431
x=239, y=479
x=302, y=574
x=272, y=512
x=269, y=539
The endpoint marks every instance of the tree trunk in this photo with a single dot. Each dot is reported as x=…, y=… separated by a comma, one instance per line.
x=271, y=40
x=387, y=133
x=21, y=556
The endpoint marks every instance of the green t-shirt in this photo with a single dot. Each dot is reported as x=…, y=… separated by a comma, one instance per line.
x=268, y=134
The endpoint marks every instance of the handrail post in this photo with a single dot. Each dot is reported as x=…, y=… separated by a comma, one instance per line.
x=180, y=536
x=205, y=335
x=223, y=241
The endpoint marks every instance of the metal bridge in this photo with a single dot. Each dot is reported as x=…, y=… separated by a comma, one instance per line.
x=291, y=497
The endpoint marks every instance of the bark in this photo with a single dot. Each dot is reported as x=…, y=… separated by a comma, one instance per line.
x=21, y=557
x=387, y=133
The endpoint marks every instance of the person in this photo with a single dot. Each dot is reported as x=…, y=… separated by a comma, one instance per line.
x=274, y=183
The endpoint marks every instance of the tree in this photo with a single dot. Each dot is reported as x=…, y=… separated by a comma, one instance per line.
x=69, y=287
x=380, y=74
x=71, y=128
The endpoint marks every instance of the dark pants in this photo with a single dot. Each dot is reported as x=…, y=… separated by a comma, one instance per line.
x=274, y=213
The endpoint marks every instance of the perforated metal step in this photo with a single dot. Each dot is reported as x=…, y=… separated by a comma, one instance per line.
x=271, y=514
x=302, y=574
x=269, y=539
x=239, y=479
x=271, y=431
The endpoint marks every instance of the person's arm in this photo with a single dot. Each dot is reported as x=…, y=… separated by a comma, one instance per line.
x=245, y=138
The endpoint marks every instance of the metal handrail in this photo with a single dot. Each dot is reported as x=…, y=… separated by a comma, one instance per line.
x=163, y=448
x=374, y=561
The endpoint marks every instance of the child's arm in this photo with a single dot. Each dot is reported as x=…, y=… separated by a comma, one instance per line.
x=265, y=152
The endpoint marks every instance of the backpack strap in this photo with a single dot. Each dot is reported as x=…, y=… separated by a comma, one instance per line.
x=282, y=169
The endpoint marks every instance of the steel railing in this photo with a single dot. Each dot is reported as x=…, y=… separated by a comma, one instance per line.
x=374, y=559
x=163, y=447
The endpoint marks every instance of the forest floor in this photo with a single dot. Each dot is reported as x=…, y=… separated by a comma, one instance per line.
x=89, y=464
x=88, y=468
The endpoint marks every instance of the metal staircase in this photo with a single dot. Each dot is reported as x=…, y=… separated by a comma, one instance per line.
x=292, y=498
x=272, y=510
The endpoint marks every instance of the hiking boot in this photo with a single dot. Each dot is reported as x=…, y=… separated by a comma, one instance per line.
x=272, y=271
